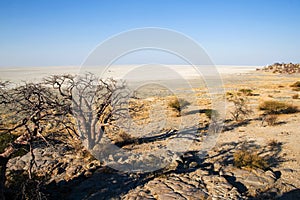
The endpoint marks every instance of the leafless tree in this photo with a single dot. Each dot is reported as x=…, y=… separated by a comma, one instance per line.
x=94, y=103
x=82, y=106
x=26, y=111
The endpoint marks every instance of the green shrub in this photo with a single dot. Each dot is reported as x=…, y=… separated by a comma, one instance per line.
x=276, y=107
x=178, y=105
x=249, y=159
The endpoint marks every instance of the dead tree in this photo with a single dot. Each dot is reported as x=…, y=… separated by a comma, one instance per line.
x=93, y=102
x=26, y=112
x=30, y=111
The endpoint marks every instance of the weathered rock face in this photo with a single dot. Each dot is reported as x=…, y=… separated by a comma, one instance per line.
x=75, y=175
x=203, y=184
x=59, y=162
x=282, y=68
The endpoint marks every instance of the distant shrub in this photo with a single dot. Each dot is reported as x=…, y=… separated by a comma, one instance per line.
x=246, y=92
x=241, y=108
x=276, y=107
x=271, y=119
x=229, y=93
x=296, y=86
x=295, y=96
x=178, y=105
x=249, y=159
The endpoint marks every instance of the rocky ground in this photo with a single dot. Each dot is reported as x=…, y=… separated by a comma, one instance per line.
x=73, y=173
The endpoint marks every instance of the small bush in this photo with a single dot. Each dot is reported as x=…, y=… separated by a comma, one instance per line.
x=123, y=137
x=178, y=105
x=276, y=107
x=246, y=92
x=295, y=96
x=249, y=159
x=210, y=113
x=271, y=119
x=296, y=86
x=241, y=108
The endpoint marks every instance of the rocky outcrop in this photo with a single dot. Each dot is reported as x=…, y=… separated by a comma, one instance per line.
x=75, y=175
x=202, y=184
x=60, y=162
x=282, y=68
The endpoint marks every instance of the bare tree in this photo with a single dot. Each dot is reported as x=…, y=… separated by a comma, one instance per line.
x=31, y=111
x=94, y=103
x=26, y=112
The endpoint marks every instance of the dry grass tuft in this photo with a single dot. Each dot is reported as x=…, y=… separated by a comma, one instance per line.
x=271, y=119
x=249, y=159
x=178, y=105
x=277, y=107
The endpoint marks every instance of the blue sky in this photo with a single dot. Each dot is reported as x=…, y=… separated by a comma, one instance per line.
x=64, y=32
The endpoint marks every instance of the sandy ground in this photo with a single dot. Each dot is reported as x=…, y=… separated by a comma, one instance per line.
x=268, y=86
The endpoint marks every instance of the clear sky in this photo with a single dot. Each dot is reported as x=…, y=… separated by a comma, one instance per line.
x=63, y=32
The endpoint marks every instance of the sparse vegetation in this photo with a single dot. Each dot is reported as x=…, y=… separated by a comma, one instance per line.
x=277, y=107
x=271, y=119
x=241, y=108
x=246, y=92
x=210, y=113
x=249, y=159
x=178, y=105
